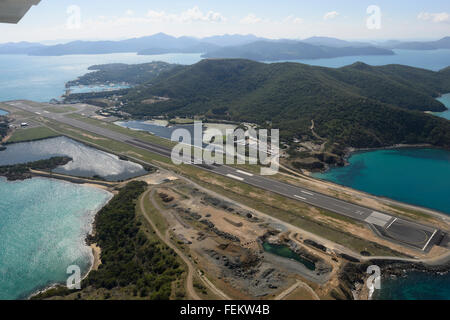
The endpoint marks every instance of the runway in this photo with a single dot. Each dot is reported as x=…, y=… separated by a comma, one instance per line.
x=407, y=233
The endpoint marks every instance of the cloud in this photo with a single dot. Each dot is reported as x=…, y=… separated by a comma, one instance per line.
x=293, y=19
x=129, y=12
x=434, y=17
x=330, y=15
x=251, y=19
x=191, y=15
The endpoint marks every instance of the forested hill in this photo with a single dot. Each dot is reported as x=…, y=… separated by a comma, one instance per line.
x=292, y=50
x=118, y=72
x=358, y=105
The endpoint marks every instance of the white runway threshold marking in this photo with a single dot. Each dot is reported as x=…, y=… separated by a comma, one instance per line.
x=243, y=172
x=299, y=197
x=390, y=224
x=429, y=240
x=378, y=219
x=235, y=177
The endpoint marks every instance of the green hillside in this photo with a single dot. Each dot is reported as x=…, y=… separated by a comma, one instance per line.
x=291, y=50
x=119, y=72
x=358, y=105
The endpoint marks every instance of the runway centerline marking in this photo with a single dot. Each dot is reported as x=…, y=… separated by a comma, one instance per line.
x=235, y=177
x=300, y=197
x=308, y=193
x=243, y=172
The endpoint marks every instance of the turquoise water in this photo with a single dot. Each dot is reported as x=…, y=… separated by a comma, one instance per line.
x=43, y=226
x=285, y=252
x=43, y=78
x=433, y=59
x=416, y=176
x=87, y=161
x=3, y=112
x=416, y=286
x=445, y=99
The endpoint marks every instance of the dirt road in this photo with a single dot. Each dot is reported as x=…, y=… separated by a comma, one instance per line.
x=166, y=239
x=191, y=269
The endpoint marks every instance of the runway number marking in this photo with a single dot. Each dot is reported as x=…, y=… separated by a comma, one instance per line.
x=235, y=177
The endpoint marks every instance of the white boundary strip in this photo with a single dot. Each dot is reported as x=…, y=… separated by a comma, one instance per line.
x=243, y=172
x=390, y=224
x=429, y=240
x=299, y=197
x=235, y=177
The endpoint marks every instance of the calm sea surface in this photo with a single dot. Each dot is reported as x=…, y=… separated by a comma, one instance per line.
x=44, y=78
x=87, y=161
x=43, y=226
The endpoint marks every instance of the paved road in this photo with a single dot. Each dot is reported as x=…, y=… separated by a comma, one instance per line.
x=398, y=230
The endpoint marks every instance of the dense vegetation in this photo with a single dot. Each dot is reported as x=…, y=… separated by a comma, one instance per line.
x=129, y=259
x=357, y=106
x=22, y=171
x=3, y=127
x=118, y=72
x=291, y=50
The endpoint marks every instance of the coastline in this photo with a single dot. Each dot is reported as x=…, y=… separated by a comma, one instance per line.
x=356, y=277
x=350, y=151
x=95, y=250
x=397, y=270
x=353, y=151
x=96, y=253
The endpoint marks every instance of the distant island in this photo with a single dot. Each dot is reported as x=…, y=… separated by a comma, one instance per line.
x=443, y=43
x=225, y=46
x=292, y=50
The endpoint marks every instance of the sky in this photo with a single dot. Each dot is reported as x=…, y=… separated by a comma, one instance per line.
x=65, y=20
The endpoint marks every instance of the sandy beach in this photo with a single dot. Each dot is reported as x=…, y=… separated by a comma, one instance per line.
x=96, y=252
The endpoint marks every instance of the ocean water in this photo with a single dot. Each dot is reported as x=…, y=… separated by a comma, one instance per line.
x=3, y=112
x=415, y=286
x=43, y=226
x=87, y=161
x=43, y=78
x=433, y=59
x=445, y=99
x=416, y=176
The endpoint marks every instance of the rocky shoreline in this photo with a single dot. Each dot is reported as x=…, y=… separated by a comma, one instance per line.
x=354, y=276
